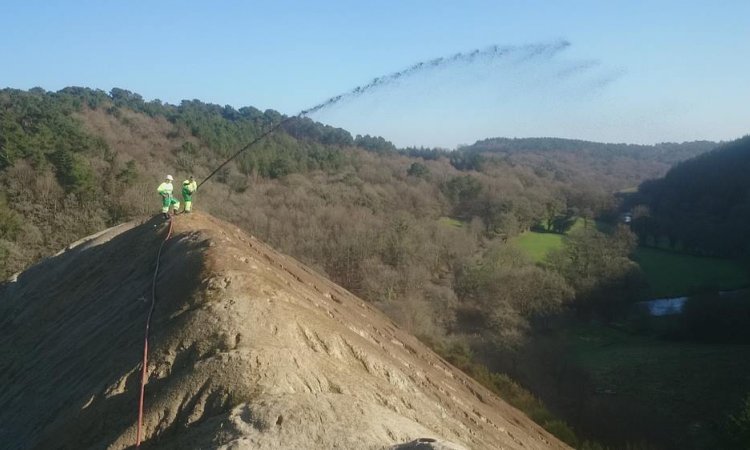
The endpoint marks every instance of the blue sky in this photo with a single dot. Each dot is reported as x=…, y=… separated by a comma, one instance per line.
x=649, y=71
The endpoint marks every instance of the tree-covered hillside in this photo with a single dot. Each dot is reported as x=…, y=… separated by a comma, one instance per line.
x=667, y=152
x=408, y=232
x=702, y=205
x=615, y=166
x=78, y=160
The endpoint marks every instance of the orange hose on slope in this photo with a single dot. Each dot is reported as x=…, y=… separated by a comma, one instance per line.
x=145, y=340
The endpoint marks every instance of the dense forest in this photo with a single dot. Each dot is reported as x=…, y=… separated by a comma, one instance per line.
x=702, y=205
x=609, y=165
x=424, y=234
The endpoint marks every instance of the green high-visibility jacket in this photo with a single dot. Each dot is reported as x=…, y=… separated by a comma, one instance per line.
x=165, y=188
x=188, y=188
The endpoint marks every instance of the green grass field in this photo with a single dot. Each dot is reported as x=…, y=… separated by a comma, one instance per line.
x=668, y=273
x=674, y=274
x=537, y=245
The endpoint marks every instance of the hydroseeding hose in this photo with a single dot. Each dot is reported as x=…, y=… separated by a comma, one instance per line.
x=247, y=147
x=525, y=52
x=144, y=375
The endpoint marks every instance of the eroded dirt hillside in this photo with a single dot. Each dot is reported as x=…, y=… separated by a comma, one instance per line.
x=249, y=349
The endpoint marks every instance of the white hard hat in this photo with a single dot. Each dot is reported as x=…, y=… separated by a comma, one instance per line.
x=169, y=177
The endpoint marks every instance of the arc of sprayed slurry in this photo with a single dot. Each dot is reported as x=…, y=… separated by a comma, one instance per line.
x=526, y=52
x=578, y=67
x=607, y=79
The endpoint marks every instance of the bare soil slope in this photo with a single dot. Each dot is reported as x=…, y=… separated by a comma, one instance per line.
x=249, y=349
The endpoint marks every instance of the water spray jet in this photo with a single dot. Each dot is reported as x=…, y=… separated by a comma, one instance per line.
x=491, y=53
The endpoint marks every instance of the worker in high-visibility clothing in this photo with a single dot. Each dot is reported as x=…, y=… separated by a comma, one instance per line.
x=167, y=201
x=189, y=187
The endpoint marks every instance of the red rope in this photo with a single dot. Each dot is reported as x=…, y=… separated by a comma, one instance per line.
x=145, y=340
